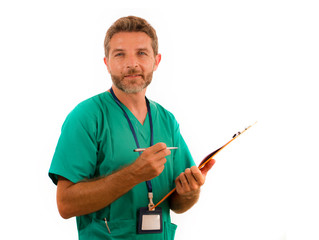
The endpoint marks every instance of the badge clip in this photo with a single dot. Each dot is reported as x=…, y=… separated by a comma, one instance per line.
x=151, y=204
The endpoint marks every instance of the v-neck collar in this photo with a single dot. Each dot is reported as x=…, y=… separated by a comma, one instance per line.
x=130, y=114
x=134, y=118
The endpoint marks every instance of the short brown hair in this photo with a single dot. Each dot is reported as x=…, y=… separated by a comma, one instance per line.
x=131, y=24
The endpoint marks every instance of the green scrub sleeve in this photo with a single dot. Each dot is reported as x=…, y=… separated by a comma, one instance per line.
x=75, y=156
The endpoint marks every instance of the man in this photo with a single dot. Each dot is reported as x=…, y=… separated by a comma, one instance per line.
x=100, y=179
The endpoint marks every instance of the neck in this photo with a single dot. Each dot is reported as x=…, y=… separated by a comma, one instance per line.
x=135, y=102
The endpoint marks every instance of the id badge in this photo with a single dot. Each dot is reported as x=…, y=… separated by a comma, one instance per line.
x=150, y=221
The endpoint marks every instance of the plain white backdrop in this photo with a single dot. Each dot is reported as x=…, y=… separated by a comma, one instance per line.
x=225, y=64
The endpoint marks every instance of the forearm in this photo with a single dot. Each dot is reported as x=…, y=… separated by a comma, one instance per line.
x=90, y=196
x=182, y=203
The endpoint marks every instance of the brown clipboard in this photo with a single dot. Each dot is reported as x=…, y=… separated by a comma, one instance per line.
x=208, y=158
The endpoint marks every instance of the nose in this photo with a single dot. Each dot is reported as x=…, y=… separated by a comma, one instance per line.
x=131, y=61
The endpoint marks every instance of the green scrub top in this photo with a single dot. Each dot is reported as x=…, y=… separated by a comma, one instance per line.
x=95, y=141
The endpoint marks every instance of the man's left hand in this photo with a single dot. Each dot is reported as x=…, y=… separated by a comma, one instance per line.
x=189, y=182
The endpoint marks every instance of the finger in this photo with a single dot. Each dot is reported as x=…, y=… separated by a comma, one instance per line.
x=207, y=167
x=160, y=162
x=158, y=147
x=159, y=150
x=194, y=182
x=178, y=185
x=184, y=182
x=188, y=175
x=197, y=175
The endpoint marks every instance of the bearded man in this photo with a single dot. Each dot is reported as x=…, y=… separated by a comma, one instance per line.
x=101, y=181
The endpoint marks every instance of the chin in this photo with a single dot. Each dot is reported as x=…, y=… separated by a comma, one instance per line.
x=133, y=90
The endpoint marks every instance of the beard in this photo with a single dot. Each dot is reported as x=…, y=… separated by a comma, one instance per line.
x=132, y=85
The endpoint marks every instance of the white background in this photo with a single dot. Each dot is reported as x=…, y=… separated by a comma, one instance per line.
x=225, y=64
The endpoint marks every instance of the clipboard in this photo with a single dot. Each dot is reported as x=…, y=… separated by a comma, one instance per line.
x=208, y=158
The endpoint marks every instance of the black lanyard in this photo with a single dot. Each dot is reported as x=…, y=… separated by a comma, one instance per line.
x=148, y=183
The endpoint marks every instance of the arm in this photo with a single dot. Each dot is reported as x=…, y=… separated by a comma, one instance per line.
x=75, y=199
x=188, y=186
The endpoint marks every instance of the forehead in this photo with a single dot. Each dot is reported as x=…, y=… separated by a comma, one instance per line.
x=128, y=40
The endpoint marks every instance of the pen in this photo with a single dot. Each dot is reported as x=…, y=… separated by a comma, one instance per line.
x=143, y=149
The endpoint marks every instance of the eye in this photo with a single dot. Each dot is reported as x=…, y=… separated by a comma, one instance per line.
x=119, y=54
x=142, y=53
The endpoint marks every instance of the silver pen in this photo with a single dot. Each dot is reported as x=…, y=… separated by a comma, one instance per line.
x=143, y=149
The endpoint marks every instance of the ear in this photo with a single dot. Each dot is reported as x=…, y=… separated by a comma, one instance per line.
x=107, y=64
x=158, y=58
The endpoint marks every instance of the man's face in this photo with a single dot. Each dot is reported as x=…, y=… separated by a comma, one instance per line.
x=131, y=61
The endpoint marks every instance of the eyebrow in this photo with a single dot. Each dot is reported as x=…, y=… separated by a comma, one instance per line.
x=143, y=49
x=122, y=50
x=118, y=50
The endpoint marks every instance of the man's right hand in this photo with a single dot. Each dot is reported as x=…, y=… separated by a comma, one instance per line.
x=84, y=197
x=151, y=162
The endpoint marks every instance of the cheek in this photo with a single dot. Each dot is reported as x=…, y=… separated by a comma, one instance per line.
x=115, y=68
x=149, y=67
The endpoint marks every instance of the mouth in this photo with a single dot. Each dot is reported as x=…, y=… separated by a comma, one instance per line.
x=133, y=76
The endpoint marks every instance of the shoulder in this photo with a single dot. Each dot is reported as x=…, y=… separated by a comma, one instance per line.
x=160, y=109
x=163, y=114
x=90, y=109
x=92, y=104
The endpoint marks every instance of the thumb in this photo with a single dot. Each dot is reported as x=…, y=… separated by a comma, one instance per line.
x=207, y=167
